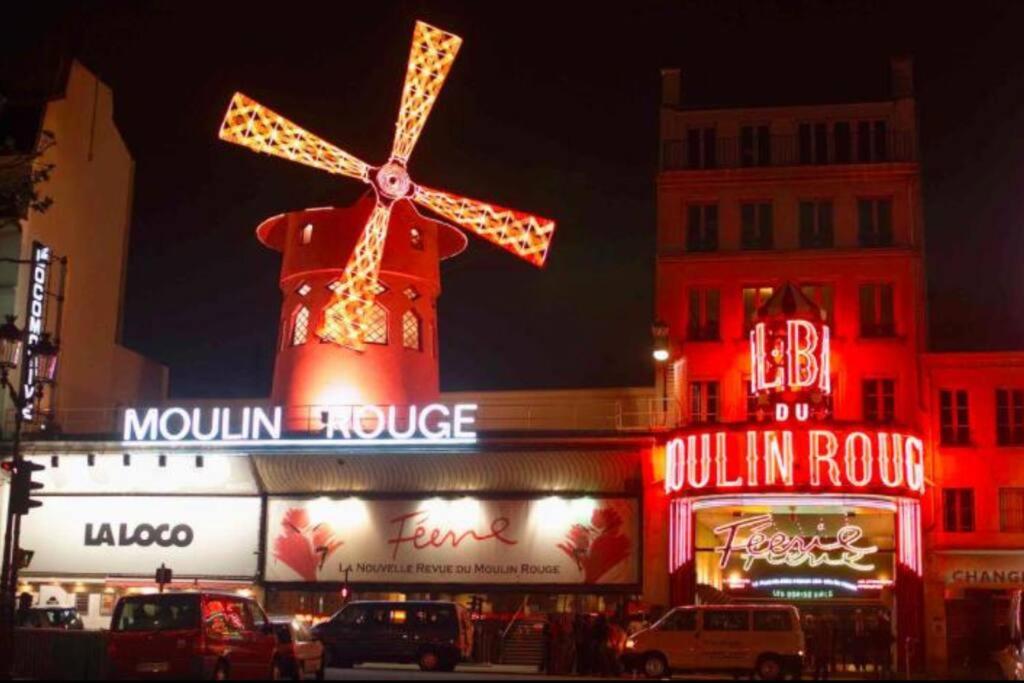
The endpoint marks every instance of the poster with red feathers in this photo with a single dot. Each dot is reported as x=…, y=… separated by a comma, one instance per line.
x=547, y=541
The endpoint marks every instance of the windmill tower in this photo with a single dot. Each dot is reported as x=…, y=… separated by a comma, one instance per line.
x=360, y=284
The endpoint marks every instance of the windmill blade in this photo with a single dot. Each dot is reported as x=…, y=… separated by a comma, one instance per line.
x=249, y=124
x=525, y=235
x=344, y=319
x=430, y=59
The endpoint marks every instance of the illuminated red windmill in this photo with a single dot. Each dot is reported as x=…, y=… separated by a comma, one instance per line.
x=334, y=259
x=252, y=125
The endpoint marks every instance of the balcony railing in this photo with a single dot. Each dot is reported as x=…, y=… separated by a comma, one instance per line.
x=784, y=150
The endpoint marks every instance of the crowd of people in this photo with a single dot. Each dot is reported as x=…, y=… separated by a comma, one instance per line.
x=588, y=644
x=862, y=643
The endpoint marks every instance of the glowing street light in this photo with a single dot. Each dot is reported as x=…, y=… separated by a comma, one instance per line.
x=662, y=350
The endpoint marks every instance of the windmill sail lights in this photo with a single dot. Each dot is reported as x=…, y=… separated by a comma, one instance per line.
x=344, y=320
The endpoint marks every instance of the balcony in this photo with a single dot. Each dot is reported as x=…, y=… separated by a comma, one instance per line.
x=784, y=150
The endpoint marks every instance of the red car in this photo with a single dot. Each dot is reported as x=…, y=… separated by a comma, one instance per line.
x=192, y=635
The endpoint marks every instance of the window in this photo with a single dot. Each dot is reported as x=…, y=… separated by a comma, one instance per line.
x=411, y=330
x=755, y=146
x=879, y=400
x=823, y=296
x=679, y=620
x=107, y=601
x=954, y=417
x=958, y=509
x=816, y=227
x=157, y=612
x=872, y=141
x=411, y=293
x=874, y=222
x=307, y=233
x=701, y=148
x=756, y=225
x=751, y=399
x=772, y=620
x=702, y=227
x=812, y=143
x=876, y=311
x=377, y=325
x=1011, y=510
x=726, y=620
x=842, y=142
x=753, y=299
x=1010, y=417
x=703, y=318
x=703, y=402
x=82, y=603
x=300, y=326
x=303, y=289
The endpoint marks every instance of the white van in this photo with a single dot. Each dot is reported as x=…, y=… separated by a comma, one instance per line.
x=765, y=640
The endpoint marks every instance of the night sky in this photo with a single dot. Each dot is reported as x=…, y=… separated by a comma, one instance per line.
x=550, y=108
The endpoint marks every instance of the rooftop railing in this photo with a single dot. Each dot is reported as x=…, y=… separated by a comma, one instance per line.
x=785, y=150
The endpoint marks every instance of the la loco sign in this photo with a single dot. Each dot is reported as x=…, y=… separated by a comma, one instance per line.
x=810, y=459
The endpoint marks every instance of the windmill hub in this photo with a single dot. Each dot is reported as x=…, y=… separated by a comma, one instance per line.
x=393, y=181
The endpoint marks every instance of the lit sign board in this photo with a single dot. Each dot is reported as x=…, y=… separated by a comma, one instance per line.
x=795, y=460
x=342, y=425
x=790, y=368
x=35, y=315
x=777, y=548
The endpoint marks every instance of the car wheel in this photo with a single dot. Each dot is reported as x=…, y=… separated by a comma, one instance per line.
x=655, y=666
x=221, y=671
x=769, y=668
x=429, y=661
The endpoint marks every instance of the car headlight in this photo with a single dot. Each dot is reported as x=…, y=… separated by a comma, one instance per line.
x=630, y=644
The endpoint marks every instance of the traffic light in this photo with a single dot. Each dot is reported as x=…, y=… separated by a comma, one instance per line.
x=22, y=487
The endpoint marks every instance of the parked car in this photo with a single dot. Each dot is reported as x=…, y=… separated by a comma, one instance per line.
x=50, y=617
x=435, y=635
x=764, y=640
x=299, y=653
x=192, y=635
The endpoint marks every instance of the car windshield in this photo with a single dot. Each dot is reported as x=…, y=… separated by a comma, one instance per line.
x=157, y=613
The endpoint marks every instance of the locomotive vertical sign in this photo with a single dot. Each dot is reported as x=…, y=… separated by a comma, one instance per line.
x=35, y=324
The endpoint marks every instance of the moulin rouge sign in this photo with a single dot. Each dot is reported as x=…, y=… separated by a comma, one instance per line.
x=804, y=459
x=339, y=425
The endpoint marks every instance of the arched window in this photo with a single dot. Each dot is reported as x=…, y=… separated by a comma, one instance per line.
x=411, y=330
x=307, y=233
x=377, y=325
x=300, y=326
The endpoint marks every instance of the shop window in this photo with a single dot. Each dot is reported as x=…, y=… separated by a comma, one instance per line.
x=82, y=603
x=753, y=299
x=755, y=146
x=958, y=510
x=1011, y=510
x=824, y=297
x=1010, y=417
x=703, y=402
x=874, y=222
x=703, y=315
x=877, y=317
x=879, y=401
x=411, y=330
x=300, y=326
x=377, y=325
x=954, y=417
x=816, y=225
x=756, y=225
x=726, y=620
x=701, y=148
x=702, y=227
x=107, y=601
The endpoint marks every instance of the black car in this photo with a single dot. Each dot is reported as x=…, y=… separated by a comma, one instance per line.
x=435, y=635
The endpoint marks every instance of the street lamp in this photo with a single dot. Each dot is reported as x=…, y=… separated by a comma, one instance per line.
x=44, y=354
x=10, y=347
x=662, y=351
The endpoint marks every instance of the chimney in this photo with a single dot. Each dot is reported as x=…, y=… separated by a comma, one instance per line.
x=902, y=77
x=671, y=84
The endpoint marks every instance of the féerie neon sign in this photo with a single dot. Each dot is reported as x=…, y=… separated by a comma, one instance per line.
x=781, y=549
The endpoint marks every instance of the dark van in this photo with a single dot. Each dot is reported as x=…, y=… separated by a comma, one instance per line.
x=435, y=635
x=192, y=635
